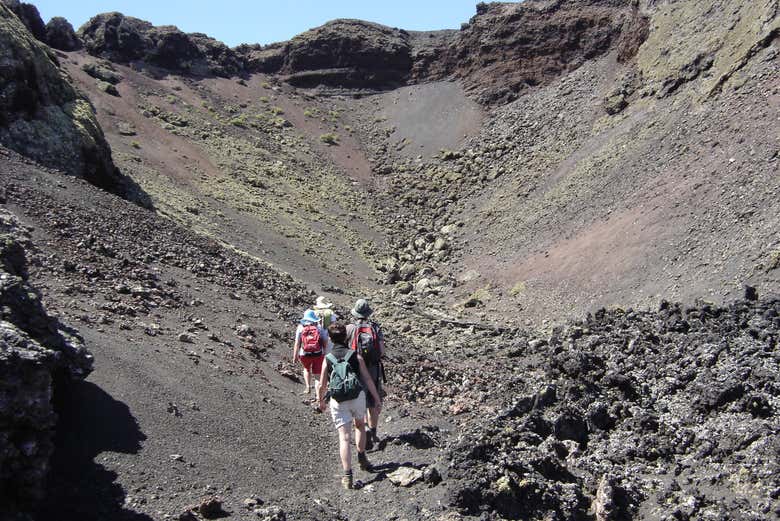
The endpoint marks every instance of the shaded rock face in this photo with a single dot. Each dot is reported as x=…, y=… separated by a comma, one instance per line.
x=60, y=35
x=42, y=116
x=125, y=39
x=653, y=415
x=29, y=16
x=36, y=354
x=343, y=53
x=507, y=48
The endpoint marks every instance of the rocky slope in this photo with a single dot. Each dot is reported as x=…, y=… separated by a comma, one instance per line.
x=38, y=356
x=560, y=158
x=601, y=188
x=634, y=415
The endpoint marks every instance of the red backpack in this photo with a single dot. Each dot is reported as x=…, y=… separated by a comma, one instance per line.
x=366, y=342
x=311, y=343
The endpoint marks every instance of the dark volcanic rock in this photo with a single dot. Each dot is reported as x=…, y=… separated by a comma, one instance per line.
x=688, y=390
x=42, y=116
x=341, y=53
x=116, y=37
x=36, y=353
x=125, y=39
x=60, y=35
x=103, y=72
x=29, y=16
x=503, y=50
x=509, y=47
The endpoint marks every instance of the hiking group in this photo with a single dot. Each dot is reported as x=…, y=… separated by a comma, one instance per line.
x=345, y=362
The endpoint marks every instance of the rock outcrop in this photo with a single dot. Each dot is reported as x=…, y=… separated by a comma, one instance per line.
x=125, y=39
x=341, y=53
x=37, y=353
x=508, y=47
x=60, y=35
x=504, y=49
x=29, y=16
x=42, y=116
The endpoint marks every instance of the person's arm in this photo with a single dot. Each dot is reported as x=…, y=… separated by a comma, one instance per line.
x=381, y=337
x=365, y=377
x=296, y=345
x=323, y=389
x=324, y=338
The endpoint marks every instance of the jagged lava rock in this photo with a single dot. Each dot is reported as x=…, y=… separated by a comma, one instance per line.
x=37, y=353
x=125, y=39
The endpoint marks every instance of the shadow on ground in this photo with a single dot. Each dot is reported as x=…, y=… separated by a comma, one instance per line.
x=91, y=422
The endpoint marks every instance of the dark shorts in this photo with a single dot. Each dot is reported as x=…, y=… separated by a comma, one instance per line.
x=313, y=363
x=376, y=376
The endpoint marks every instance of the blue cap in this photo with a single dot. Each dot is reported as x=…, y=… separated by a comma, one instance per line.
x=309, y=317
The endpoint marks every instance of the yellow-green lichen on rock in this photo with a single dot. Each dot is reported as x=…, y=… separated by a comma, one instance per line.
x=686, y=43
x=42, y=116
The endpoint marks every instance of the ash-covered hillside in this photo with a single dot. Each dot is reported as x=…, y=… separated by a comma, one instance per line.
x=564, y=213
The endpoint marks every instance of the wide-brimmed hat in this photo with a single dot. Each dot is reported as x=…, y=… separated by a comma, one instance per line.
x=361, y=309
x=309, y=317
x=321, y=304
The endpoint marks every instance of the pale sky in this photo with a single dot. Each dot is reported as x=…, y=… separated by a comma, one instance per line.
x=264, y=21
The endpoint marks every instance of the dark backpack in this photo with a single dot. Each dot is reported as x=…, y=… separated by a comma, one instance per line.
x=366, y=339
x=311, y=343
x=344, y=383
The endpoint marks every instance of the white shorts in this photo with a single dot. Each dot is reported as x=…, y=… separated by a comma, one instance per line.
x=344, y=412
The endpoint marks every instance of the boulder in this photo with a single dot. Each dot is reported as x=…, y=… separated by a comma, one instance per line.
x=405, y=476
x=100, y=72
x=108, y=88
x=116, y=37
x=42, y=116
x=615, y=103
x=60, y=35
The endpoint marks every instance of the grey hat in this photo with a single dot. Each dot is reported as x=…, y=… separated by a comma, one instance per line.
x=361, y=309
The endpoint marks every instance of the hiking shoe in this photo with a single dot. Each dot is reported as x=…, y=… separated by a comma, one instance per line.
x=346, y=482
x=369, y=441
x=365, y=465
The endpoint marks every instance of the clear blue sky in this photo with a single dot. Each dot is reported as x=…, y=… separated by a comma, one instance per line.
x=266, y=21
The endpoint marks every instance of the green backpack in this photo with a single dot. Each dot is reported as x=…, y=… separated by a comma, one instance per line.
x=343, y=384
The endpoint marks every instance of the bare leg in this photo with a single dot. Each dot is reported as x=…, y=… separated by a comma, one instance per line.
x=345, y=450
x=306, y=380
x=360, y=435
x=373, y=416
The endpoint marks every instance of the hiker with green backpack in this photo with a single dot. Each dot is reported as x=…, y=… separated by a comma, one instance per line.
x=345, y=381
x=365, y=336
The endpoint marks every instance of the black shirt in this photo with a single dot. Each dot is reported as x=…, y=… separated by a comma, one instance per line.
x=340, y=351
